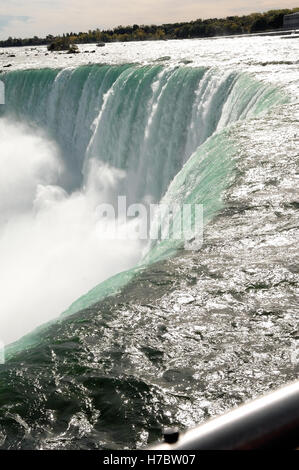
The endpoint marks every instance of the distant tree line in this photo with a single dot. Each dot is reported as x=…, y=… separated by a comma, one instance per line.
x=253, y=23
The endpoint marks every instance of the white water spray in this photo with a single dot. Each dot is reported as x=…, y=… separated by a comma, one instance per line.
x=50, y=250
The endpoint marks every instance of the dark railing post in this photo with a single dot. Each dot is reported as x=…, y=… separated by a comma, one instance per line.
x=268, y=422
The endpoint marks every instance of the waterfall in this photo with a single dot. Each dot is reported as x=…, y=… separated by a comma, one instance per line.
x=150, y=133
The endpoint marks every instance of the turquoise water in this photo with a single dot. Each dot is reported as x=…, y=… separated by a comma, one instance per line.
x=176, y=336
x=149, y=121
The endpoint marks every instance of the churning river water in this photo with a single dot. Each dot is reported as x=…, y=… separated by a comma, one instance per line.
x=125, y=337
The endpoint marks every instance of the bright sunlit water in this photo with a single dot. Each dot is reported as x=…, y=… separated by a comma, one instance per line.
x=213, y=122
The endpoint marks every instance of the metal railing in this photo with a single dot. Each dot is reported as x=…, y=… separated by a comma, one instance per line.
x=268, y=422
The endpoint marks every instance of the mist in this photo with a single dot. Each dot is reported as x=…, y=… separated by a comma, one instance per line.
x=51, y=251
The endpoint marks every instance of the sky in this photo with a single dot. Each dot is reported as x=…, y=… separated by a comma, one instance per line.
x=26, y=18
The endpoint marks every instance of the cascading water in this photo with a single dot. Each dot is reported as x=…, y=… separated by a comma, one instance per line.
x=144, y=120
x=93, y=133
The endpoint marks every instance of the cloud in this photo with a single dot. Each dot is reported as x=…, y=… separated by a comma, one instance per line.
x=58, y=16
x=6, y=20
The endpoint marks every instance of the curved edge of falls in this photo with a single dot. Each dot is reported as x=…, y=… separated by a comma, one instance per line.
x=171, y=124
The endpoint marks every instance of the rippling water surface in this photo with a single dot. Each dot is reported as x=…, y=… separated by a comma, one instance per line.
x=181, y=335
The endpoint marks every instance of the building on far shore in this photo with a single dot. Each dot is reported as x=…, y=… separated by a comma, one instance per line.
x=291, y=21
